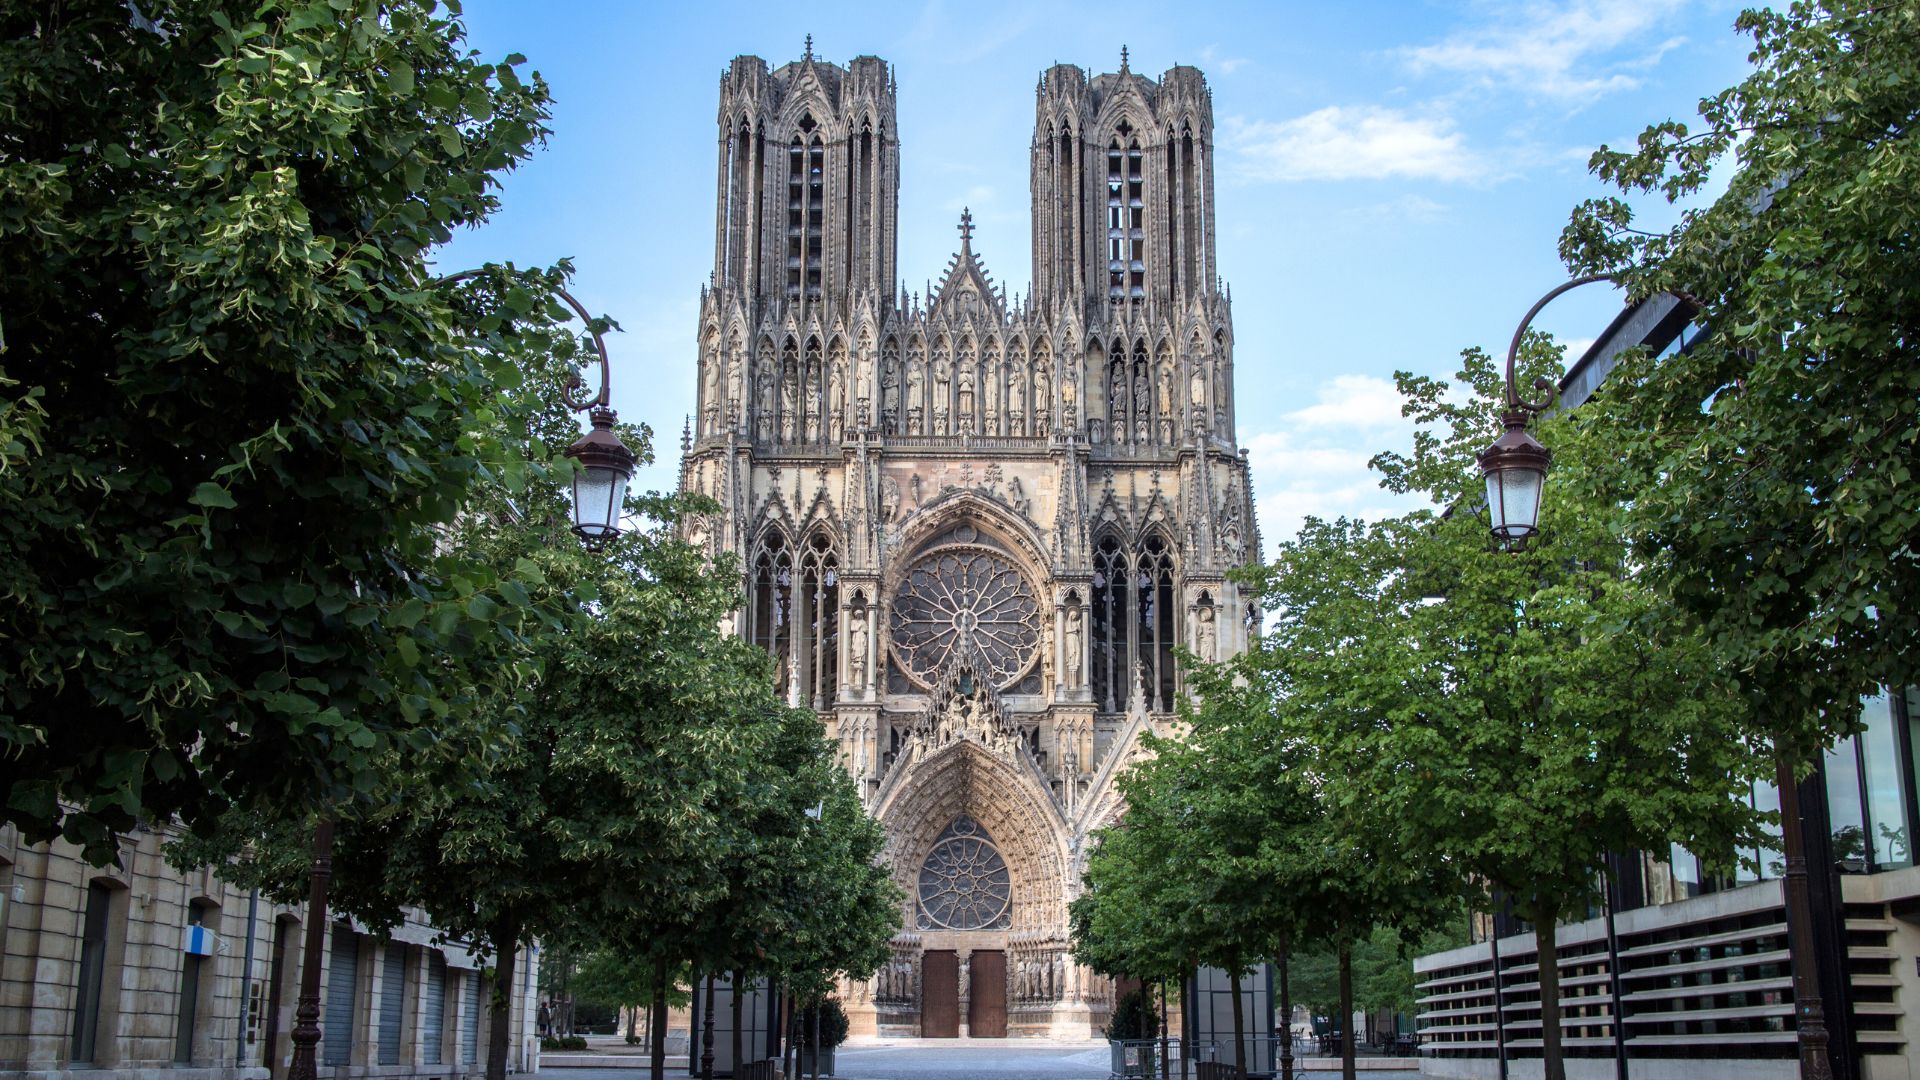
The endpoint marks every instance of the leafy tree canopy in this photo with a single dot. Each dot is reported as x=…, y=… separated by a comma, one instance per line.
x=1772, y=463
x=234, y=410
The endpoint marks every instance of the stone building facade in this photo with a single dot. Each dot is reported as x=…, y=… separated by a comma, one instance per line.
x=141, y=970
x=975, y=528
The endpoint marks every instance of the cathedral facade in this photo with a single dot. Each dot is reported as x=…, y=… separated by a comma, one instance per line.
x=975, y=528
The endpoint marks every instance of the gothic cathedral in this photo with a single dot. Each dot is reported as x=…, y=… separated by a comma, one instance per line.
x=975, y=528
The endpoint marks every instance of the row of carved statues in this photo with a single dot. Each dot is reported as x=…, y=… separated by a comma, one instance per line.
x=1032, y=976
x=810, y=400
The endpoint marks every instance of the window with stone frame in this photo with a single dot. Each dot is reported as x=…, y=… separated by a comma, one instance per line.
x=964, y=884
x=819, y=610
x=1132, y=630
x=770, y=600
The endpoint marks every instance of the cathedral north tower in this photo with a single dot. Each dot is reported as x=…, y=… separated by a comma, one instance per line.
x=976, y=529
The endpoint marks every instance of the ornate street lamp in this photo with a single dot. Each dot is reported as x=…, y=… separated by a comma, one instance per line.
x=599, y=491
x=1515, y=466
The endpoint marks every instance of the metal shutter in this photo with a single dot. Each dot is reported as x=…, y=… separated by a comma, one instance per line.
x=470, y=1022
x=393, y=999
x=342, y=979
x=433, y=1010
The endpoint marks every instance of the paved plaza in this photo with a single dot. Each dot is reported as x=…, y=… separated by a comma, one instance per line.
x=959, y=1059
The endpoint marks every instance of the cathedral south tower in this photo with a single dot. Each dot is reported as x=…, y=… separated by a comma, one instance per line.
x=975, y=528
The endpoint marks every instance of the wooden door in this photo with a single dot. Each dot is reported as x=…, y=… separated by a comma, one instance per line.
x=987, y=994
x=940, y=994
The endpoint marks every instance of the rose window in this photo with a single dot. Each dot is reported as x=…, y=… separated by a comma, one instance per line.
x=964, y=883
x=965, y=592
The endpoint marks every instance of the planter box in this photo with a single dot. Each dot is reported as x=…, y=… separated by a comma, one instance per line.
x=803, y=1062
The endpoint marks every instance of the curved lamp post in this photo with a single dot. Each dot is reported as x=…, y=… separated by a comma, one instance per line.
x=600, y=484
x=599, y=492
x=1515, y=468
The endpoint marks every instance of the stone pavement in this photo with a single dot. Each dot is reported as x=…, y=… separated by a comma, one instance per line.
x=960, y=1059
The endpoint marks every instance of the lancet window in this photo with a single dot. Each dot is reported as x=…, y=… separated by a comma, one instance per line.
x=818, y=633
x=770, y=605
x=1132, y=627
x=806, y=210
x=1126, y=213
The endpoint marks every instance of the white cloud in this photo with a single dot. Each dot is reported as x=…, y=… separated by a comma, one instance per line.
x=1211, y=61
x=1351, y=401
x=1352, y=142
x=1315, y=462
x=1558, y=50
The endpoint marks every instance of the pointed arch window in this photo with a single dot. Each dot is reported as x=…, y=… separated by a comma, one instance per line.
x=819, y=629
x=1132, y=629
x=770, y=608
x=1126, y=216
x=1153, y=627
x=1109, y=617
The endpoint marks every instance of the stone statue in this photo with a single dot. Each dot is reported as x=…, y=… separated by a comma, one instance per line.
x=991, y=395
x=857, y=648
x=966, y=385
x=1043, y=392
x=1197, y=389
x=889, y=500
x=1072, y=646
x=916, y=378
x=1017, y=398
x=1204, y=635
x=1117, y=395
x=836, y=402
x=1140, y=402
x=789, y=404
x=766, y=404
x=1165, y=397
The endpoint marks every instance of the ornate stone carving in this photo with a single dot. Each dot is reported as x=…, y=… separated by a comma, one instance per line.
x=970, y=595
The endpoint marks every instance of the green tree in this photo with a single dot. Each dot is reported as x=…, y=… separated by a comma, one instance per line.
x=1773, y=461
x=1516, y=714
x=232, y=411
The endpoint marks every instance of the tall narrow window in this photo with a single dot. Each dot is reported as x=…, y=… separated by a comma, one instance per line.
x=1189, y=212
x=816, y=205
x=796, y=214
x=393, y=1001
x=196, y=947
x=1136, y=223
x=1153, y=577
x=1116, y=223
x=820, y=602
x=93, y=966
x=1109, y=617
x=1171, y=202
x=1065, y=206
x=343, y=984
x=433, y=1010
x=769, y=616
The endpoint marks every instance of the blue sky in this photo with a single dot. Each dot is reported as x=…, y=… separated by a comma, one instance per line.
x=1391, y=178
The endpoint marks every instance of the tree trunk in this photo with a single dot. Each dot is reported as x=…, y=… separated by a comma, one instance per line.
x=737, y=995
x=1347, y=1065
x=1286, y=1018
x=1163, y=1030
x=657, y=1023
x=1239, y=1026
x=1545, y=926
x=793, y=1034
x=706, y=1031
x=506, y=943
x=815, y=1043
